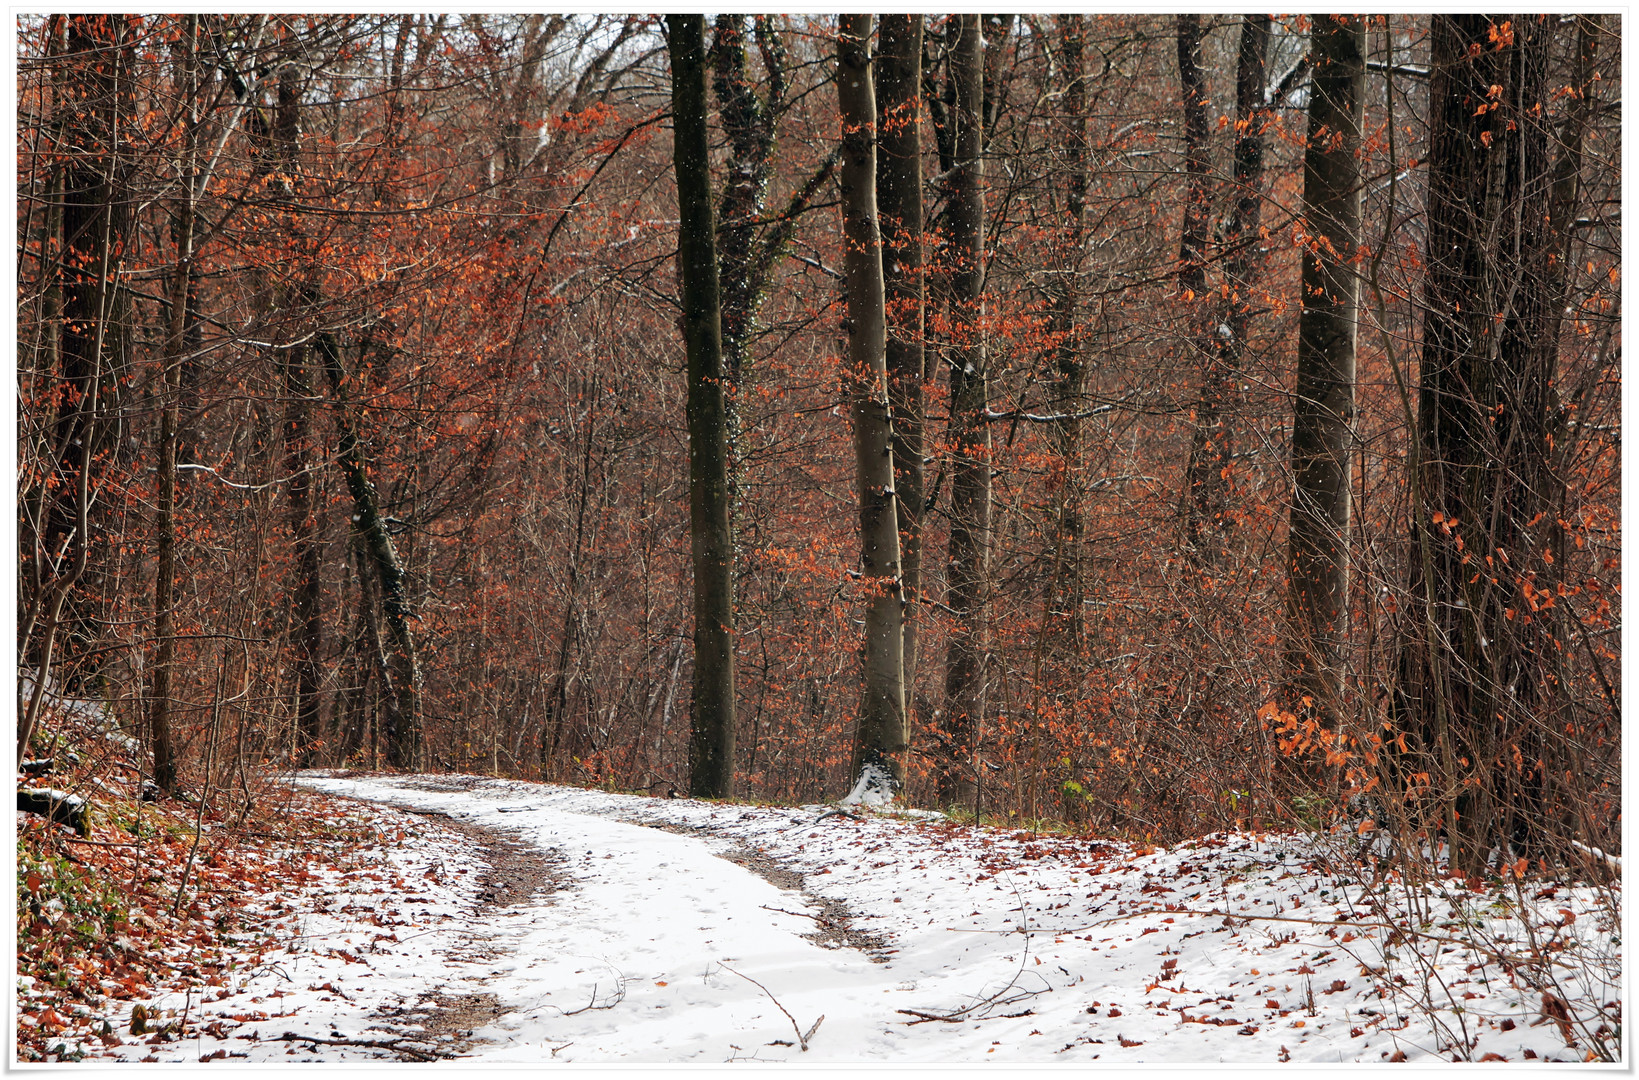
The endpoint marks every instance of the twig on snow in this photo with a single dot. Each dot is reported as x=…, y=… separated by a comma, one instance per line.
x=802, y=1039
x=967, y=1012
x=395, y=1045
x=619, y=996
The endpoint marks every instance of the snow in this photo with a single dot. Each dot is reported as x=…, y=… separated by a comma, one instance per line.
x=875, y=788
x=678, y=931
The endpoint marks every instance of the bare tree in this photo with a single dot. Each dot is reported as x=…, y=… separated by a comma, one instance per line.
x=1206, y=480
x=966, y=572
x=898, y=71
x=1482, y=664
x=1323, y=401
x=882, y=737
x=711, y=740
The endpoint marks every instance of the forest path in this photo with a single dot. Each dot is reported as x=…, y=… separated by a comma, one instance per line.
x=636, y=942
x=500, y=920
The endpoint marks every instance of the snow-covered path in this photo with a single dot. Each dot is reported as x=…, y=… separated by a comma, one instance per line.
x=674, y=931
x=629, y=962
x=1050, y=950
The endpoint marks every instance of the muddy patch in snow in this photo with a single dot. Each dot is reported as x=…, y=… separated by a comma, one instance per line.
x=515, y=872
x=447, y=1021
x=834, y=926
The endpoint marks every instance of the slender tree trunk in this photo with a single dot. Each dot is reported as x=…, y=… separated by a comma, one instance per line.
x=967, y=566
x=899, y=207
x=176, y=339
x=404, y=741
x=1323, y=401
x=711, y=739
x=303, y=516
x=1480, y=695
x=1207, y=518
x=1192, y=245
x=882, y=737
x=301, y=490
x=1069, y=380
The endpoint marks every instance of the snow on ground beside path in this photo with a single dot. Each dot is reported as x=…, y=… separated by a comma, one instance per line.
x=979, y=945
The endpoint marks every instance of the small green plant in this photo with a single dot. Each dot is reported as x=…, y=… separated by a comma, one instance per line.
x=54, y=892
x=1313, y=811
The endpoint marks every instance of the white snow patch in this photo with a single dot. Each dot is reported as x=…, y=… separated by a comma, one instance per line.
x=874, y=788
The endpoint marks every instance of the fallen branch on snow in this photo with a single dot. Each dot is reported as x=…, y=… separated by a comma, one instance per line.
x=395, y=1045
x=619, y=996
x=802, y=1039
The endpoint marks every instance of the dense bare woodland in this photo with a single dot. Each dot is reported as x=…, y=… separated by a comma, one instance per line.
x=1250, y=388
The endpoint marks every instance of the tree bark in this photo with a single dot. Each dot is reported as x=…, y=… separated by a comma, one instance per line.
x=1323, y=400
x=1207, y=515
x=711, y=739
x=159, y=717
x=1479, y=697
x=404, y=741
x=301, y=491
x=1197, y=163
x=899, y=209
x=967, y=566
x=93, y=111
x=751, y=126
x=882, y=737
x=1069, y=378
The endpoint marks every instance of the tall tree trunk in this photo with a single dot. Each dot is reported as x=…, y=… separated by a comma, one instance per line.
x=159, y=717
x=748, y=245
x=301, y=490
x=305, y=542
x=1207, y=515
x=899, y=208
x=404, y=741
x=882, y=737
x=1323, y=401
x=711, y=738
x=1480, y=695
x=1069, y=379
x=94, y=111
x=967, y=566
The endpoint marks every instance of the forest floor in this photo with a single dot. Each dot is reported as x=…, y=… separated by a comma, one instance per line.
x=459, y=916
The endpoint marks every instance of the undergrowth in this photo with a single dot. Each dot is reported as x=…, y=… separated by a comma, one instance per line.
x=184, y=895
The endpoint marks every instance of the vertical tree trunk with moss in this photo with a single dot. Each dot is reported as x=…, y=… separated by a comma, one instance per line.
x=1323, y=401
x=966, y=572
x=881, y=740
x=711, y=737
x=404, y=740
